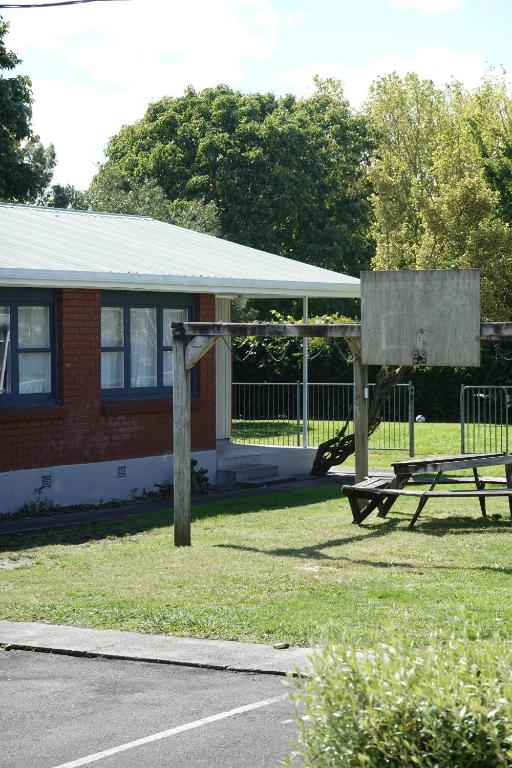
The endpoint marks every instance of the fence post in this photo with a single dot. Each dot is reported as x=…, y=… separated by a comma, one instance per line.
x=297, y=409
x=462, y=421
x=305, y=376
x=506, y=416
x=411, y=419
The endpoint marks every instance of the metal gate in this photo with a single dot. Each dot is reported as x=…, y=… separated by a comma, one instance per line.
x=271, y=414
x=484, y=418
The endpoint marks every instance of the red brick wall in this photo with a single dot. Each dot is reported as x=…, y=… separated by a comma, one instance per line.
x=81, y=428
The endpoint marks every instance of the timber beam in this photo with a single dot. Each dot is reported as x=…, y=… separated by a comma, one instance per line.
x=495, y=331
x=331, y=330
x=196, y=348
x=489, y=331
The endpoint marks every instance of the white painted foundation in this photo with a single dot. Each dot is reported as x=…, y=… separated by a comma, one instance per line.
x=93, y=483
x=290, y=460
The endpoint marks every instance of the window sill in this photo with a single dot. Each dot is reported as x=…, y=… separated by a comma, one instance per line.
x=134, y=407
x=10, y=413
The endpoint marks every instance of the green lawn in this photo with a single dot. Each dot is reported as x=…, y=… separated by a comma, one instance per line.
x=283, y=567
x=430, y=438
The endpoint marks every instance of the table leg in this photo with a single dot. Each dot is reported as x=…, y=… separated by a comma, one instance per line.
x=354, y=506
x=480, y=486
x=398, y=482
x=424, y=499
x=508, y=473
x=367, y=510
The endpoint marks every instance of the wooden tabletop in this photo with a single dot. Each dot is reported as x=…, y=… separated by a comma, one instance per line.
x=440, y=463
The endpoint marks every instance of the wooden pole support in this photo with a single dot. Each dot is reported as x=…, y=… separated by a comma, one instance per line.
x=360, y=411
x=181, y=445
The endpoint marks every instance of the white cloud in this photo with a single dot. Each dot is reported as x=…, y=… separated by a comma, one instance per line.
x=428, y=7
x=112, y=59
x=438, y=64
x=294, y=17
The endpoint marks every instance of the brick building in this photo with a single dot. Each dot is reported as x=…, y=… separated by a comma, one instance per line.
x=86, y=303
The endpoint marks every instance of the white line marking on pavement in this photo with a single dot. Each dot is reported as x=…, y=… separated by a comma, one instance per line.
x=170, y=732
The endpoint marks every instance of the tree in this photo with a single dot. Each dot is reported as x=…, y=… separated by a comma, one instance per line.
x=60, y=196
x=26, y=166
x=337, y=449
x=433, y=204
x=285, y=174
x=490, y=121
x=111, y=191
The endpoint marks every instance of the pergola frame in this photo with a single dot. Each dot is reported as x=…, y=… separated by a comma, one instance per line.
x=193, y=340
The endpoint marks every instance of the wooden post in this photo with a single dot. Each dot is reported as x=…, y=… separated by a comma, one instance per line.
x=360, y=412
x=181, y=445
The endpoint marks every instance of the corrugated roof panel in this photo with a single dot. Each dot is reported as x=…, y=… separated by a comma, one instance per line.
x=47, y=246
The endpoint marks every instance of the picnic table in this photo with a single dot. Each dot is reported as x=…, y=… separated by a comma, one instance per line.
x=382, y=492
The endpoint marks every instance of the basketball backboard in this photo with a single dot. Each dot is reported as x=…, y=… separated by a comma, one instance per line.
x=425, y=317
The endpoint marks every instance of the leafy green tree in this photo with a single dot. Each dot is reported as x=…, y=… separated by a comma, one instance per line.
x=26, y=166
x=63, y=196
x=113, y=192
x=433, y=204
x=285, y=174
x=279, y=359
x=490, y=122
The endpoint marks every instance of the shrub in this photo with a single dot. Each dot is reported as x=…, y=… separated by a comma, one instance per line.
x=445, y=705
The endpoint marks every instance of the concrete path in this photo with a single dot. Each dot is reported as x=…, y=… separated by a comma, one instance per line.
x=167, y=649
x=64, y=519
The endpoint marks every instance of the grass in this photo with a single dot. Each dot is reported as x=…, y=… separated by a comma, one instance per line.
x=430, y=438
x=289, y=566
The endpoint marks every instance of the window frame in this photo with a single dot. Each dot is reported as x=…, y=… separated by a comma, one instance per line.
x=30, y=297
x=143, y=300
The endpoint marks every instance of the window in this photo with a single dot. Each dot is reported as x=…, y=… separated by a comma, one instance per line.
x=136, y=342
x=27, y=359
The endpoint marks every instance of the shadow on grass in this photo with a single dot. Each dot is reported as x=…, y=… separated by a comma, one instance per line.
x=120, y=527
x=429, y=527
x=315, y=551
x=461, y=524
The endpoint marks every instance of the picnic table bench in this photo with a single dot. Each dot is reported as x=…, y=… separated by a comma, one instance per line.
x=382, y=492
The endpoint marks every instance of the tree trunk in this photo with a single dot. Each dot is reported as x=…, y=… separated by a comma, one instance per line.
x=337, y=449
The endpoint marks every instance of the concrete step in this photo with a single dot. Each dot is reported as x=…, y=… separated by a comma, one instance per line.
x=268, y=481
x=237, y=459
x=243, y=473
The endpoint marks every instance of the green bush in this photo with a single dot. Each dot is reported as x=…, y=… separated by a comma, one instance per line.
x=447, y=705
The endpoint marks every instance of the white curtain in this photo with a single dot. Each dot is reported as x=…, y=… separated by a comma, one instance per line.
x=143, y=347
x=34, y=372
x=33, y=327
x=112, y=370
x=34, y=368
x=112, y=335
x=5, y=352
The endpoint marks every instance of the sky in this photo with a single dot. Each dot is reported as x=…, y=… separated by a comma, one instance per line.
x=97, y=66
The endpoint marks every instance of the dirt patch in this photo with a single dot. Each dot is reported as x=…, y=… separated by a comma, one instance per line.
x=11, y=565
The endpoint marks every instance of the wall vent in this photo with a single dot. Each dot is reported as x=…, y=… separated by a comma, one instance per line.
x=46, y=481
x=121, y=471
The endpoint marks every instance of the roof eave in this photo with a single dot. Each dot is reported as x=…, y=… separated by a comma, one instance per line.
x=178, y=284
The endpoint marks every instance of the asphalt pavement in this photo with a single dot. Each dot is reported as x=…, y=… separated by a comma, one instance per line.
x=63, y=712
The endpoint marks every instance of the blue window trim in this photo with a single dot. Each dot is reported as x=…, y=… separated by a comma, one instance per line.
x=141, y=299
x=29, y=297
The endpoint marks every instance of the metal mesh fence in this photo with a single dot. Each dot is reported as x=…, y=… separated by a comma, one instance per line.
x=271, y=414
x=484, y=418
